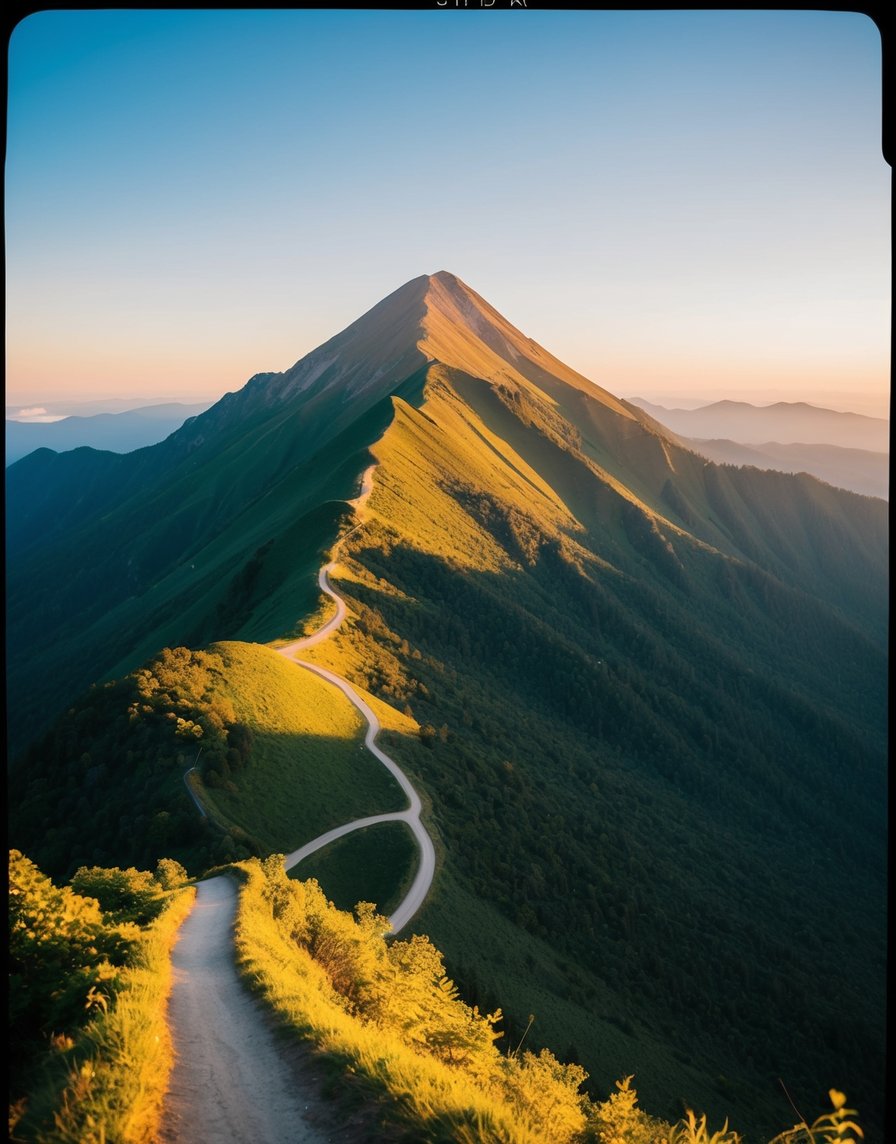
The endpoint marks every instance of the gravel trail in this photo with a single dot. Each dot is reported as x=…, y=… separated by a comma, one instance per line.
x=234, y=1081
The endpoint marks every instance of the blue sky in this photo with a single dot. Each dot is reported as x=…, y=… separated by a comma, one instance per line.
x=675, y=203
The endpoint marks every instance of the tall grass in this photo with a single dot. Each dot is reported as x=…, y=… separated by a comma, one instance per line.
x=394, y=1030
x=107, y=1087
x=416, y=1097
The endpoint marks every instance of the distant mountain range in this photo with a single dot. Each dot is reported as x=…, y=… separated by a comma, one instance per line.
x=651, y=690
x=848, y=450
x=785, y=422
x=117, y=432
x=857, y=469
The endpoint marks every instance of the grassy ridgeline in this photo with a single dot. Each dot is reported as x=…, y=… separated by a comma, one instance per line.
x=308, y=771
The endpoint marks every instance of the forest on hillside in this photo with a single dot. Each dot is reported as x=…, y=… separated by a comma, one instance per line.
x=661, y=797
x=116, y=760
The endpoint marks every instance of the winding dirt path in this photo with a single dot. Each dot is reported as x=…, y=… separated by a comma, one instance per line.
x=419, y=888
x=233, y=1081
x=416, y=895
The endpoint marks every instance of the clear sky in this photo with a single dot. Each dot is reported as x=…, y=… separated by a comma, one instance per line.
x=675, y=203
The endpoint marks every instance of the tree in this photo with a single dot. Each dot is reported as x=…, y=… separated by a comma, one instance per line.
x=170, y=874
x=128, y=895
x=60, y=953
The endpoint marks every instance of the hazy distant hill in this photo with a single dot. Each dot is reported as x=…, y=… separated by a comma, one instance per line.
x=653, y=689
x=857, y=469
x=784, y=422
x=800, y=438
x=117, y=432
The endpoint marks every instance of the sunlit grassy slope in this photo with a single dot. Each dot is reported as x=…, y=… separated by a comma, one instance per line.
x=278, y=750
x=309, y=769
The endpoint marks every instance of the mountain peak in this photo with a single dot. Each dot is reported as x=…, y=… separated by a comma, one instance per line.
x=432, y=319
x=445, y=277
x=464, y=331
x=435, y=318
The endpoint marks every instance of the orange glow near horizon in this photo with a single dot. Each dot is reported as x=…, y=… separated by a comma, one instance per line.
x=49, y=376
x=674, y=208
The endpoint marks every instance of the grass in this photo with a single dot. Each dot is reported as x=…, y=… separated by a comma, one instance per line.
x=428, y=451
x=309, y=770
x=401, y=1044
x=414, y=1097
x=577, y=1013
x=109, y=1085
x=372, y=865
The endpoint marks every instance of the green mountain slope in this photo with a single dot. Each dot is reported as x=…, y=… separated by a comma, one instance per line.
x=276, y=752
x=652, y=690
x=661, y=761
x=227, y=545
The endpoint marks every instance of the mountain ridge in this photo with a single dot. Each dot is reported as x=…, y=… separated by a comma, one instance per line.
x=114, y=432
x=651, y=691
x=282, y=425
x=858, y=470
x=413, y=326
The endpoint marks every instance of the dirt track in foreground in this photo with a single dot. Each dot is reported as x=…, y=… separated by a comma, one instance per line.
x=234, y=1081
